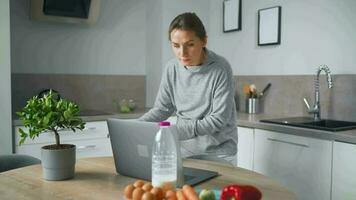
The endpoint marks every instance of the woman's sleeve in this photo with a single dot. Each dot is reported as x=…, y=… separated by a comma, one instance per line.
x=163, y=106
x=222, y=109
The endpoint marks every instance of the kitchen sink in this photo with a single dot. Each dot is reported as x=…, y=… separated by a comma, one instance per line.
x=306, y=122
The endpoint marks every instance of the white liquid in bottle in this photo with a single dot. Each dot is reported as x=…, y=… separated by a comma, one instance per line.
x=164, y=158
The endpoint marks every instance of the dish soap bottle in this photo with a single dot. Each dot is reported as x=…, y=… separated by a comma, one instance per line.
x=166, y=163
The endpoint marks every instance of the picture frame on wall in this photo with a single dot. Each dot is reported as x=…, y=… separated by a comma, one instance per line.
x=269, y=26
x=231, y=15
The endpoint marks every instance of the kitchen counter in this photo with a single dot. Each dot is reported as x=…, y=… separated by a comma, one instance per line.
x=253, y=121
x=246, y=120
x=96, y=178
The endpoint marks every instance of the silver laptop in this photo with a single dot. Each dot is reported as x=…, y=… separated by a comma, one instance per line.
x=131, y=143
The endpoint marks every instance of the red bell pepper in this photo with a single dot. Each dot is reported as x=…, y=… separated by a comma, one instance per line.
x=240, y=192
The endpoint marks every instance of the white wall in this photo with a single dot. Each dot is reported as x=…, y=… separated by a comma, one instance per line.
x=114, y=45
x=153, y=48
x=130, y=37
x=313, y=33
x=5, y=82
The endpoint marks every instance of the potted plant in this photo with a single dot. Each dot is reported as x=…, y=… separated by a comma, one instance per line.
x=48, y=113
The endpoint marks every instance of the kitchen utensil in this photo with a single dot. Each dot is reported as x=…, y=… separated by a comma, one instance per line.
x=265, y=90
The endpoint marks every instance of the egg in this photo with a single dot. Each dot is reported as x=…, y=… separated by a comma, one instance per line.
x=158, y=192
x=128, y=191
x=147, y=187
x=148, y=196
x=139, y=183
x=170, y=194
x=180, y=195
x=168, y=186
x=137, y=194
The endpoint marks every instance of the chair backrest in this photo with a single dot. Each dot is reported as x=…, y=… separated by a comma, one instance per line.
x=13, y=161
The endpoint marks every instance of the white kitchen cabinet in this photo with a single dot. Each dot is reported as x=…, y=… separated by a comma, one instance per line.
x=91, y=142
x=344, y=171
x=301, y=164
x=245, y=147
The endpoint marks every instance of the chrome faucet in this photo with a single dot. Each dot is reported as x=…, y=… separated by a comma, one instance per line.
x=316, y=108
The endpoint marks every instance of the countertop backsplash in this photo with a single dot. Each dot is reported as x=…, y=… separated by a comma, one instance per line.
x=285, y=96
x=91, y=92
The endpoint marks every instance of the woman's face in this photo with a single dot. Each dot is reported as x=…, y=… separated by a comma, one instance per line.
x=187, y=47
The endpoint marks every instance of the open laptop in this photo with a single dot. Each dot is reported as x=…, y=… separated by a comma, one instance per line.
x=131, y=143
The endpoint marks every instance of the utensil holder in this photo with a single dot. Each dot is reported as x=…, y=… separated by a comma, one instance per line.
x=252, y=105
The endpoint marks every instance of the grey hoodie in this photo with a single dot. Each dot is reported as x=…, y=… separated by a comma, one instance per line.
x=203, y=99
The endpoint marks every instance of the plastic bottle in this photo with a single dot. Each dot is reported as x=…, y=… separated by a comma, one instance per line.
x=166, y=158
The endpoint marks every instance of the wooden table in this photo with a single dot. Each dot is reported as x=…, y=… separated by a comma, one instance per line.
x=96, y=178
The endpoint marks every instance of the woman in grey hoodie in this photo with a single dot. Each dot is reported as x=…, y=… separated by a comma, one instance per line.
x=198, y=86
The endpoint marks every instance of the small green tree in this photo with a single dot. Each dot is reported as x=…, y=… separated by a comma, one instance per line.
x=48, y=114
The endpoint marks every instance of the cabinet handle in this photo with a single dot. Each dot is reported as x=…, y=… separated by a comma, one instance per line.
x=292, y=143
x=86, y=147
